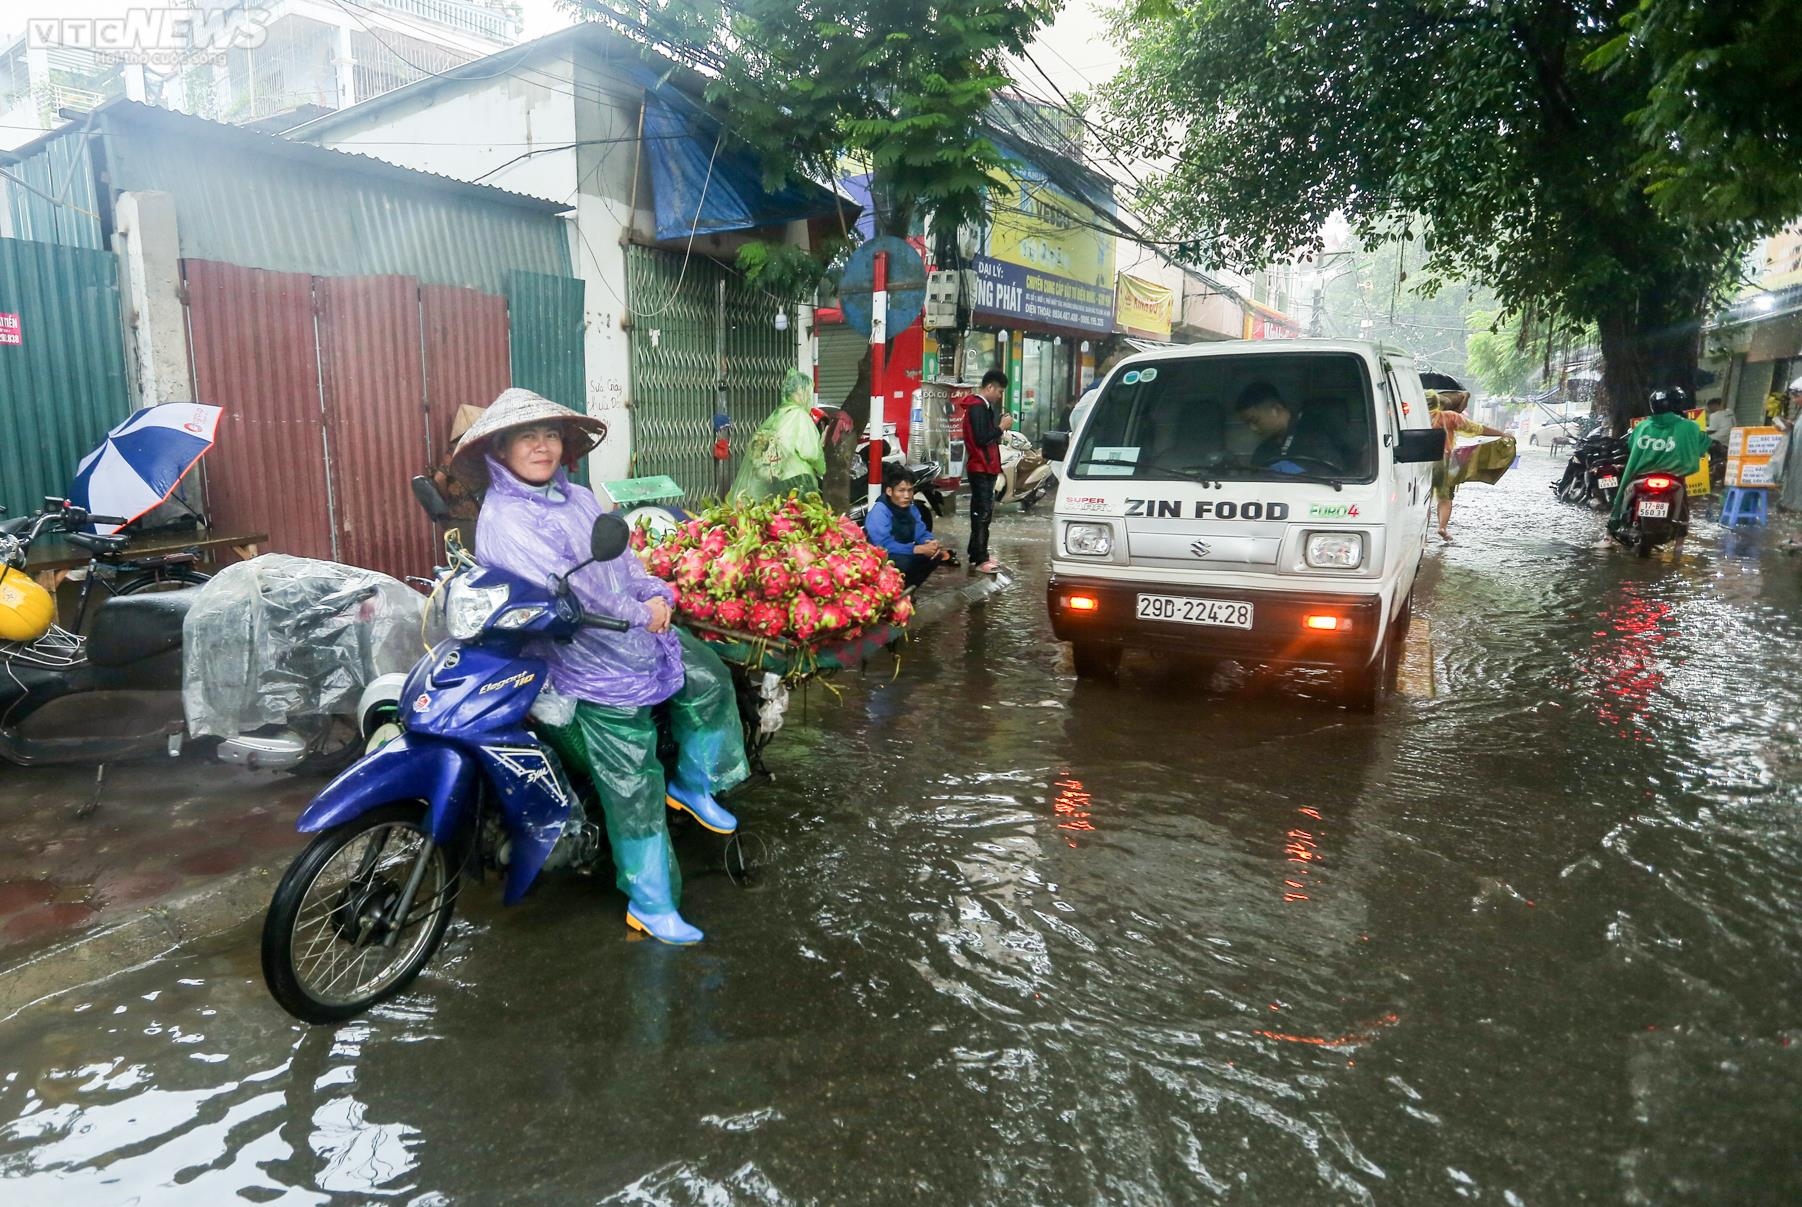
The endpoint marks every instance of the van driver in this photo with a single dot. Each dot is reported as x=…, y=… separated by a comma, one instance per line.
x=1288, y=435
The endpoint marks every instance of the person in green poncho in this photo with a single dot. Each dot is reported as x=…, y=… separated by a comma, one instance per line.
x=786, y=455
x=1668, y=440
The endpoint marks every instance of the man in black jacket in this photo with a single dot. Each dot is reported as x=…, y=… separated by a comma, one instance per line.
x=984, y=421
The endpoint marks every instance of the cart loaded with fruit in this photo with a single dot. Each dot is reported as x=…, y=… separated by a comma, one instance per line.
x=783, y=589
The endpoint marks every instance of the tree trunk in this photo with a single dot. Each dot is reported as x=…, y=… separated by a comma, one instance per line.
x=1649, y=343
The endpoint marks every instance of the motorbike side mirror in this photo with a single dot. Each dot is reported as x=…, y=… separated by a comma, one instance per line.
x=1055, y=445
x=609, y=538
x=1420, y=446
x=426, y=491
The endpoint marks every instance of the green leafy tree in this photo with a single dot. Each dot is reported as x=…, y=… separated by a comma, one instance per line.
x=1479, y=125
x=1504, y=355
x=1381, y=292
x=898, y=86
x=1721, y=129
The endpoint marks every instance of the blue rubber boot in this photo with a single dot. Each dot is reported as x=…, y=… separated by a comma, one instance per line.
x=703, y=808
x=667, y=927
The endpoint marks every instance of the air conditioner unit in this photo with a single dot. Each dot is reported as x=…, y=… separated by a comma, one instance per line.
x=941, y=299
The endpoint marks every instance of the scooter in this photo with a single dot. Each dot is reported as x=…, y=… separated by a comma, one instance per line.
x=1594, y=472
x=1657, y=512
x=117, y=693
x=463, y=782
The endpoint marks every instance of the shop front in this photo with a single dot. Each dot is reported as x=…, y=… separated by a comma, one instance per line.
x=1042, y=295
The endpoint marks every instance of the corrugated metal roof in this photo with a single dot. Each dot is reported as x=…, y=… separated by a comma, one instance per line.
x=265, y=202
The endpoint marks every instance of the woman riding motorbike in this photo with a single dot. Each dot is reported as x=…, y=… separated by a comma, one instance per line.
x=534, y=522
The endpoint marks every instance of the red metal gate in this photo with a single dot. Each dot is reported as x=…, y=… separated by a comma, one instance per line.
x=337, y=391
x=251, y=336
x=466, y=356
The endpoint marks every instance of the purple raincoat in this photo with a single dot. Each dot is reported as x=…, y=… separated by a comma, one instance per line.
x=530, y=536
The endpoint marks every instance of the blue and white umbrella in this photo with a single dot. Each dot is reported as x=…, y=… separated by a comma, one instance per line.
x=142, y=460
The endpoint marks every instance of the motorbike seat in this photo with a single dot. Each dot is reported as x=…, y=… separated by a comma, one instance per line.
x=131, y=628
x=15, y=526
x=95, y=543
x=926, y=471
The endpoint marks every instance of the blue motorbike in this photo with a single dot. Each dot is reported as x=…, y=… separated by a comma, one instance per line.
x=462, y=782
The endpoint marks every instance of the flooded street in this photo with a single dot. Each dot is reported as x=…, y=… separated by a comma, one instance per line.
x=1532, y=940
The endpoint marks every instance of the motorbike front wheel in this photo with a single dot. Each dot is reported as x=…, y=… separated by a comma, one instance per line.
x=331, y=945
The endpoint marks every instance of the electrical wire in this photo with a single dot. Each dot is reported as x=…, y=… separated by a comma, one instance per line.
x=693, y=227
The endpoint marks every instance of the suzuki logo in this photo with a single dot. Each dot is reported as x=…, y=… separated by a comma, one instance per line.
x=1201, y=548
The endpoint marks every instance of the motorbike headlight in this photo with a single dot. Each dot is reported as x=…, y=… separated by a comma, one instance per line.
x=467, y=608
x=1089, y=540
x=1335, y=550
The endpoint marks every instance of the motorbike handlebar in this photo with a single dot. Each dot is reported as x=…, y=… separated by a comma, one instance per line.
x=591, y=620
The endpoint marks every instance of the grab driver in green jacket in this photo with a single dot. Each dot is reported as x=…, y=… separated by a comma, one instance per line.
x=1668, y=441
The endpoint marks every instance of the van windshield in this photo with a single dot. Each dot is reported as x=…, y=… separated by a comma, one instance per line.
x=1269, y=418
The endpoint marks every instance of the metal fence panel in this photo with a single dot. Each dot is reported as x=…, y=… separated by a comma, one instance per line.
x=370, y=349
x=62, y=385
x=466, y=356
x=52, y=197
x=250, y=333
x=675, y=339
x=545, y=333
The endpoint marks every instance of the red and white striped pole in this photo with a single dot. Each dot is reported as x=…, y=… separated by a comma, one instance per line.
x=878, y=338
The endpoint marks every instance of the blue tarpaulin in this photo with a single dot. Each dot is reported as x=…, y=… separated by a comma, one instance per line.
x=704, y=181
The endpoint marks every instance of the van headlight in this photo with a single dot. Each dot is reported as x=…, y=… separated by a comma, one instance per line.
x=1089, y=540
x=468, y=607
x=1335, y=550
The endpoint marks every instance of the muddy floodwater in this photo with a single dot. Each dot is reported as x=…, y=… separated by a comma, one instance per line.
x=1533, y=938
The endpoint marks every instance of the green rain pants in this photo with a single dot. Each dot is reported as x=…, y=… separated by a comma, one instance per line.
x=619, y=747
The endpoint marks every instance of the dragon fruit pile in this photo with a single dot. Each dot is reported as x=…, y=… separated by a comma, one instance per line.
x=782, y=567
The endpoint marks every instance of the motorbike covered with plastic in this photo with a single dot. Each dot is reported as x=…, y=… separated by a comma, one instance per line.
x=279, y=637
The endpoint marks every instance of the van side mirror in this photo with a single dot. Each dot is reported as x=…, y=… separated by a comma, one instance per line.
x=1055, y=445
x=1419, y=446
x=609, y=538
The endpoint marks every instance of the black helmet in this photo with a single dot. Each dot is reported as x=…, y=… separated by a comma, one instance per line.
x=1671, y=400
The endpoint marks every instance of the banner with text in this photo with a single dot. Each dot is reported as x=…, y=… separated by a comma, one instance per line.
x=1010, y=291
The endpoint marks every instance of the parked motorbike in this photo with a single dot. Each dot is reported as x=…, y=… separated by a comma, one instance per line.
x=117, y=692
x=462, y=784
x=925, y=478
x=1656, y=512
x=1031, y=475
x=1594, y=472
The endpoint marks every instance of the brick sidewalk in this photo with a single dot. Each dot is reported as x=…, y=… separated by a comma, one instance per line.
x=162, y=830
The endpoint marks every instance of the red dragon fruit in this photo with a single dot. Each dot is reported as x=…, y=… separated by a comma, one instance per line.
x=774, y=579
x=782, y=526
x=843, y=568
x=904, y=610
x=641, y=539
x=691, y=568
x=832, y=616
x=730, y=613
x=766, y=619
x=801, y=555
x=660, y=560
x=869, y=561
x=691, y=533
x=698, y=604
x=804, y=616
x=728, y=573
x=849, y=529
x=713, y=542
x=817, y=580
x=858, y=606
x=889, y=584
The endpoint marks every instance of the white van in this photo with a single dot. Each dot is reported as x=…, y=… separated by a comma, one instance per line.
x=1264, y=502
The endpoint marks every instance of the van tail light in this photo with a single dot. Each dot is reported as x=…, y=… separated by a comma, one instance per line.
x=1326, y=622
x=1082, y=603
x=1660, y=482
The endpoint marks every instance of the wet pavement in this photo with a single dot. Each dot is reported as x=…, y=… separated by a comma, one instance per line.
x=1531, y=940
